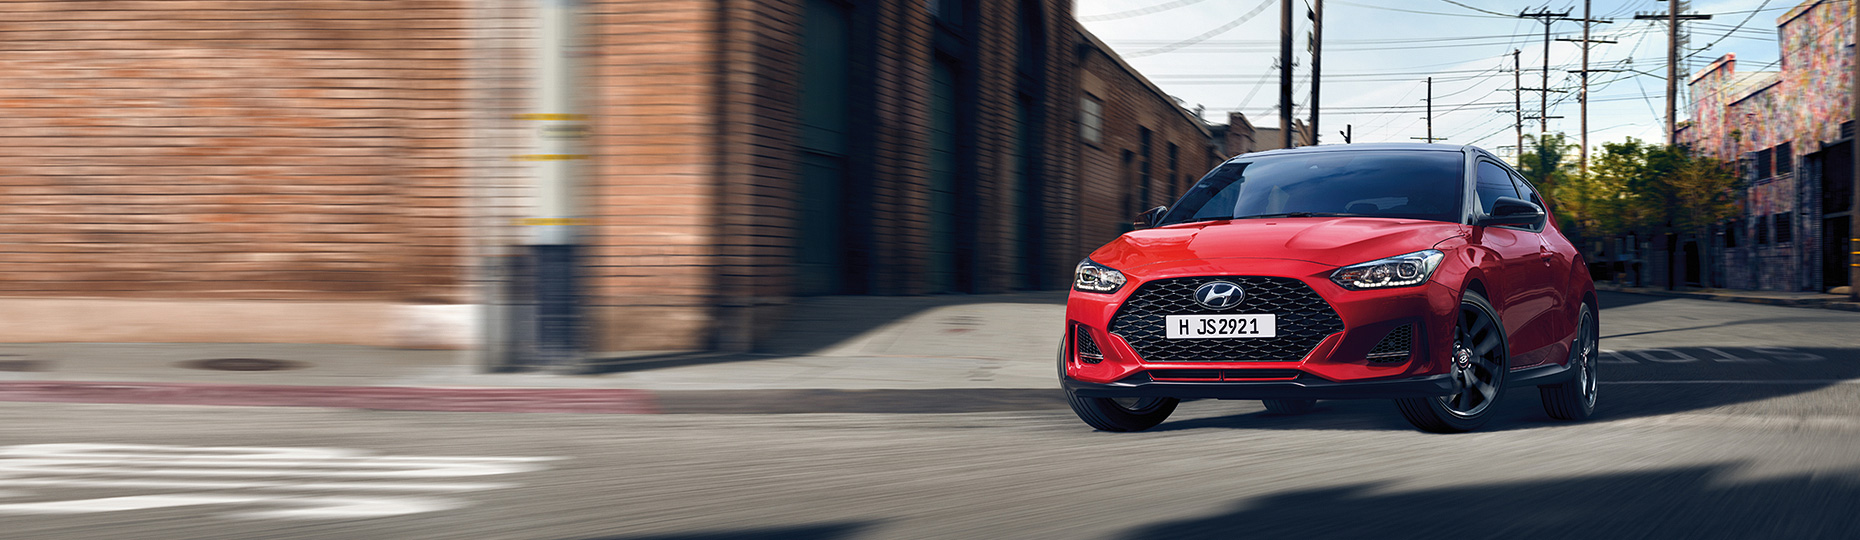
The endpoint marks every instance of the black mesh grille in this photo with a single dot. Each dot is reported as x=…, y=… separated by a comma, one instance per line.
x=1302, y=319
x=1394, y=347
x=1086, y=347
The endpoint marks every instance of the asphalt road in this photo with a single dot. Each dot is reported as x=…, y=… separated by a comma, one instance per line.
x=1717, y=420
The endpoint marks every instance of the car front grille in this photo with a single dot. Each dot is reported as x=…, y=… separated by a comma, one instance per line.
x=1302, y=319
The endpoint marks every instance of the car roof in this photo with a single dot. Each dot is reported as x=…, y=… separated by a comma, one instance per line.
x=1361, y=147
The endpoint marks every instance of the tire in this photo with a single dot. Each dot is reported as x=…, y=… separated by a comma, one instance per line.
x=1109, y=415
x=1575, y=399
x=1289, y=406
x=1127, y=414
x=1479, y=364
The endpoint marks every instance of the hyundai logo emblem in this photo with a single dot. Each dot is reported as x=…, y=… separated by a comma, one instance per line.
x=1219, y=295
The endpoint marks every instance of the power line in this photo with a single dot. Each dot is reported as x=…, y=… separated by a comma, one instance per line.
x=1139, y=12
x=1734, y=29
x=1413, y=10
x=1481, y=10
x=1222, y=29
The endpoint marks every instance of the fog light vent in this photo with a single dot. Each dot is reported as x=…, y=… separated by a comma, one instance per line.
x=1086, y=347
x=1395, y=347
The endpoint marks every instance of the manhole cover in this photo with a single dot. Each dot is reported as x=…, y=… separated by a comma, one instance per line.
x=243, y=364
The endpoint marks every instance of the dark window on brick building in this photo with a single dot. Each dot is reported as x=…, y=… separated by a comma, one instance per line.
x=1763, y=231
x=1091, y=120
x=1146, y=181
x=1785, y=229
x=1785, y=159
x=1731, y=229
x=1763, y=164
x=948, y=11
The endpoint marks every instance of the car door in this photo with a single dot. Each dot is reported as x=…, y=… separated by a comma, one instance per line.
x=1557, y=258
x=1515, y=285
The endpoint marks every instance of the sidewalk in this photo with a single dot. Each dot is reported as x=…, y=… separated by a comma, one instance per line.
x=840, y=354
x=1772, y=298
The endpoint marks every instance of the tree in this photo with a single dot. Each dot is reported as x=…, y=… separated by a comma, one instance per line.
x=1654, y=190
x=1545, y=162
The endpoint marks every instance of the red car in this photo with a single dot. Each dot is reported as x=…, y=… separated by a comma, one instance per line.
x=1427, y=274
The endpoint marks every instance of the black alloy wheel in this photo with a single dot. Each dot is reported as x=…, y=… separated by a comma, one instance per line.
x=1575, y=399
x=1478, y=365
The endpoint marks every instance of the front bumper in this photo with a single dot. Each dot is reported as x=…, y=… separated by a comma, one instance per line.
x=1304, y=387
x=1337, y=367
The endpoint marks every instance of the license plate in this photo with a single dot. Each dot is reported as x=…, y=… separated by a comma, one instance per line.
x=1220, y=326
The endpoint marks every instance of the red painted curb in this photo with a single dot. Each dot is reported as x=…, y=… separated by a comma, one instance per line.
x=524, y=400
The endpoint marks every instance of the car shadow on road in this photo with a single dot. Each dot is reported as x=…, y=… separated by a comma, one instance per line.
x=830, y=531
x=1635, y=383
x=1710, y=501
x=813, y=324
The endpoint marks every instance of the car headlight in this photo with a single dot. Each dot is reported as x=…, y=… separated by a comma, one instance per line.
x=1398, y=271
x=1098, y=278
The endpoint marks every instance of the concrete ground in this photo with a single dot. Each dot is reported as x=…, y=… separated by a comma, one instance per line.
x=1717, y=420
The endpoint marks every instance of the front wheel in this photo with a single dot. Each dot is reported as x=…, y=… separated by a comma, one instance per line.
x=1575, y=399
x=1479, y=357
x=1122, y=414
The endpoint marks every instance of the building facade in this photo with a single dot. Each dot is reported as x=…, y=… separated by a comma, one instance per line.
x=342, y=172
x=1791, y=132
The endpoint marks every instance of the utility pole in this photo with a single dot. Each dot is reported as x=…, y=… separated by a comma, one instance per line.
x=1517, y=99
x=552, y=230
x=1543, y=108
x=1853, y=222
x=1430, y=138
x=1672, y=17
x=1285, y=72
x=1582, y=96
x=1317, y=52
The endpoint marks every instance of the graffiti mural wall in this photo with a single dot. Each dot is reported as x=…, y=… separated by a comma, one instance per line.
x=1769, y=119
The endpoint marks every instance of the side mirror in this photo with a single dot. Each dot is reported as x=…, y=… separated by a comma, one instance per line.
x=1513, y=211
x=1149, y=219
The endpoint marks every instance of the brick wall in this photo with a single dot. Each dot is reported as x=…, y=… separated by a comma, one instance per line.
x=249, y=149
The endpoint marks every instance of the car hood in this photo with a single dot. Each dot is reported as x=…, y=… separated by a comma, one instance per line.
x=1329, y=241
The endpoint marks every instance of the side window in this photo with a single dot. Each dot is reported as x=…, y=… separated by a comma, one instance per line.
x=1493, y=183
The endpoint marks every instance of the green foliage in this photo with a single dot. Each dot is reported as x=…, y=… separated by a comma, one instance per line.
x=1637, y=186
x=1546, y=163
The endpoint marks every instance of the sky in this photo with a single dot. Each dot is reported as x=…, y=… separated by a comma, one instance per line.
x=1378, y=54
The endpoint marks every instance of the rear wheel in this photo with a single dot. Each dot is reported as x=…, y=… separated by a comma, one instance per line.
x=1479, y=365
x=1575, y=399
x=1289, y=406
x=1122, y=414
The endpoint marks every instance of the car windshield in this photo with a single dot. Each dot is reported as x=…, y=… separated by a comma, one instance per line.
x=1405, y=184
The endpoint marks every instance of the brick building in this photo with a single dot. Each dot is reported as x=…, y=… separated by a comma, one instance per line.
x=338, y=171
x=1790, y=130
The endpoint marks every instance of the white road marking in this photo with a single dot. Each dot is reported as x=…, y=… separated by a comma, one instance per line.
x=1722, y=355
x=1750, y=381
x=242, y=476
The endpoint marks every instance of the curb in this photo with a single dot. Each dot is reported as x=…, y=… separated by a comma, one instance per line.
x=1822, y=303
x=577, y=400
x=543, y=400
